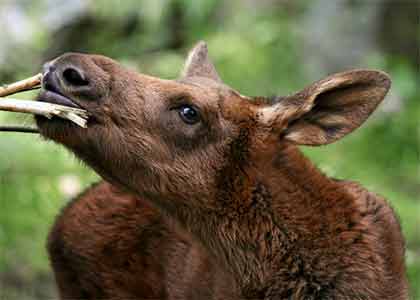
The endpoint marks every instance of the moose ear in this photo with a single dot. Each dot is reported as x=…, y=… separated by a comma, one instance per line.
x=198, y=63
x=329, y=109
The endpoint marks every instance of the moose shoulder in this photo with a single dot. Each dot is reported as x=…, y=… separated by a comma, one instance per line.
x=227, y=169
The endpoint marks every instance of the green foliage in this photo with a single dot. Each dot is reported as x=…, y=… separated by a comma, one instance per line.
x=257, y=52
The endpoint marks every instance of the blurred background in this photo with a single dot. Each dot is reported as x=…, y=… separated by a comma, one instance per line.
x=260, y=47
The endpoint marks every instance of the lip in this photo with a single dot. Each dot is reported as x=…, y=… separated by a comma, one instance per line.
x=56, y=98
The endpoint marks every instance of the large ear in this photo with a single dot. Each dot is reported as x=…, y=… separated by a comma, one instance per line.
x=198, y=63
x=328, y=109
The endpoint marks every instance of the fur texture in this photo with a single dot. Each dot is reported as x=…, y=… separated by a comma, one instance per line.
x=109, y=244
x=234, y=180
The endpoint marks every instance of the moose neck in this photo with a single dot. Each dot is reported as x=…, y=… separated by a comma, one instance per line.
x=253, y=220
x=252, y=213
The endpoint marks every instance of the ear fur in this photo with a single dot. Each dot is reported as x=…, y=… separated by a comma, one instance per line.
x=198, y=63
x=331, y=108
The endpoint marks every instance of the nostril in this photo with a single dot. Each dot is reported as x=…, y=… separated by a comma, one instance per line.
x=74, y=77
x=49, y=82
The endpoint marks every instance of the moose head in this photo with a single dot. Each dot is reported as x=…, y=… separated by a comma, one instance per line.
x=224, y=165
x=175, y=136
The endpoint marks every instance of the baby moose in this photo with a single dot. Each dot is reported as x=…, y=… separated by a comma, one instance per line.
x=226, y=168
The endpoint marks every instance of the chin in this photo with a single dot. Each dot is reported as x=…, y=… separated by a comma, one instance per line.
x=58, y=130
x=54, y=128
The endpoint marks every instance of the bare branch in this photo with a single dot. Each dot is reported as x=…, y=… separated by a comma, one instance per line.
x=21, y=86
x=25, y=129
x=48, y=110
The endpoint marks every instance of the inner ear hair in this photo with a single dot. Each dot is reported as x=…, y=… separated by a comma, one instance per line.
x=331, y=108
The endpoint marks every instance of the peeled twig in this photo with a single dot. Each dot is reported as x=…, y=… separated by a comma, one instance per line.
x=48, y=110
x=21, y=86
x=78, y=116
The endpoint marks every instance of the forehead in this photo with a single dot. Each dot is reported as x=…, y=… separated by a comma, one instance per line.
x=206, y=88
x=204, y=83
x=196, y=89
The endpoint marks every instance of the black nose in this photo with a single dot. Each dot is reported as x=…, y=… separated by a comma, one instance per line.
x=57, y=77
x=60, y=85
x=49, y=79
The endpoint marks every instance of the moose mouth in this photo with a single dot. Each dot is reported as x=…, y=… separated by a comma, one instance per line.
x=56, y=126
x=56, y=98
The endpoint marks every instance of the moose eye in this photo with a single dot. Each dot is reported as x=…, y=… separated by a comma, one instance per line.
x=189, y=114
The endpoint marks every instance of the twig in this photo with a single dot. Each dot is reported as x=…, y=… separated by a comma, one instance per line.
x=78, y=116
x=19, y=129
x=48, y=110
x=20, y=86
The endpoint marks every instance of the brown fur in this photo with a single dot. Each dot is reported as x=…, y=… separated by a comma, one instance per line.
x=109, y=244
x=235, y=181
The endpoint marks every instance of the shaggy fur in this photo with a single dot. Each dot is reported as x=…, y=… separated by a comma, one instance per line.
x=235, y=181
x=109, y=244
